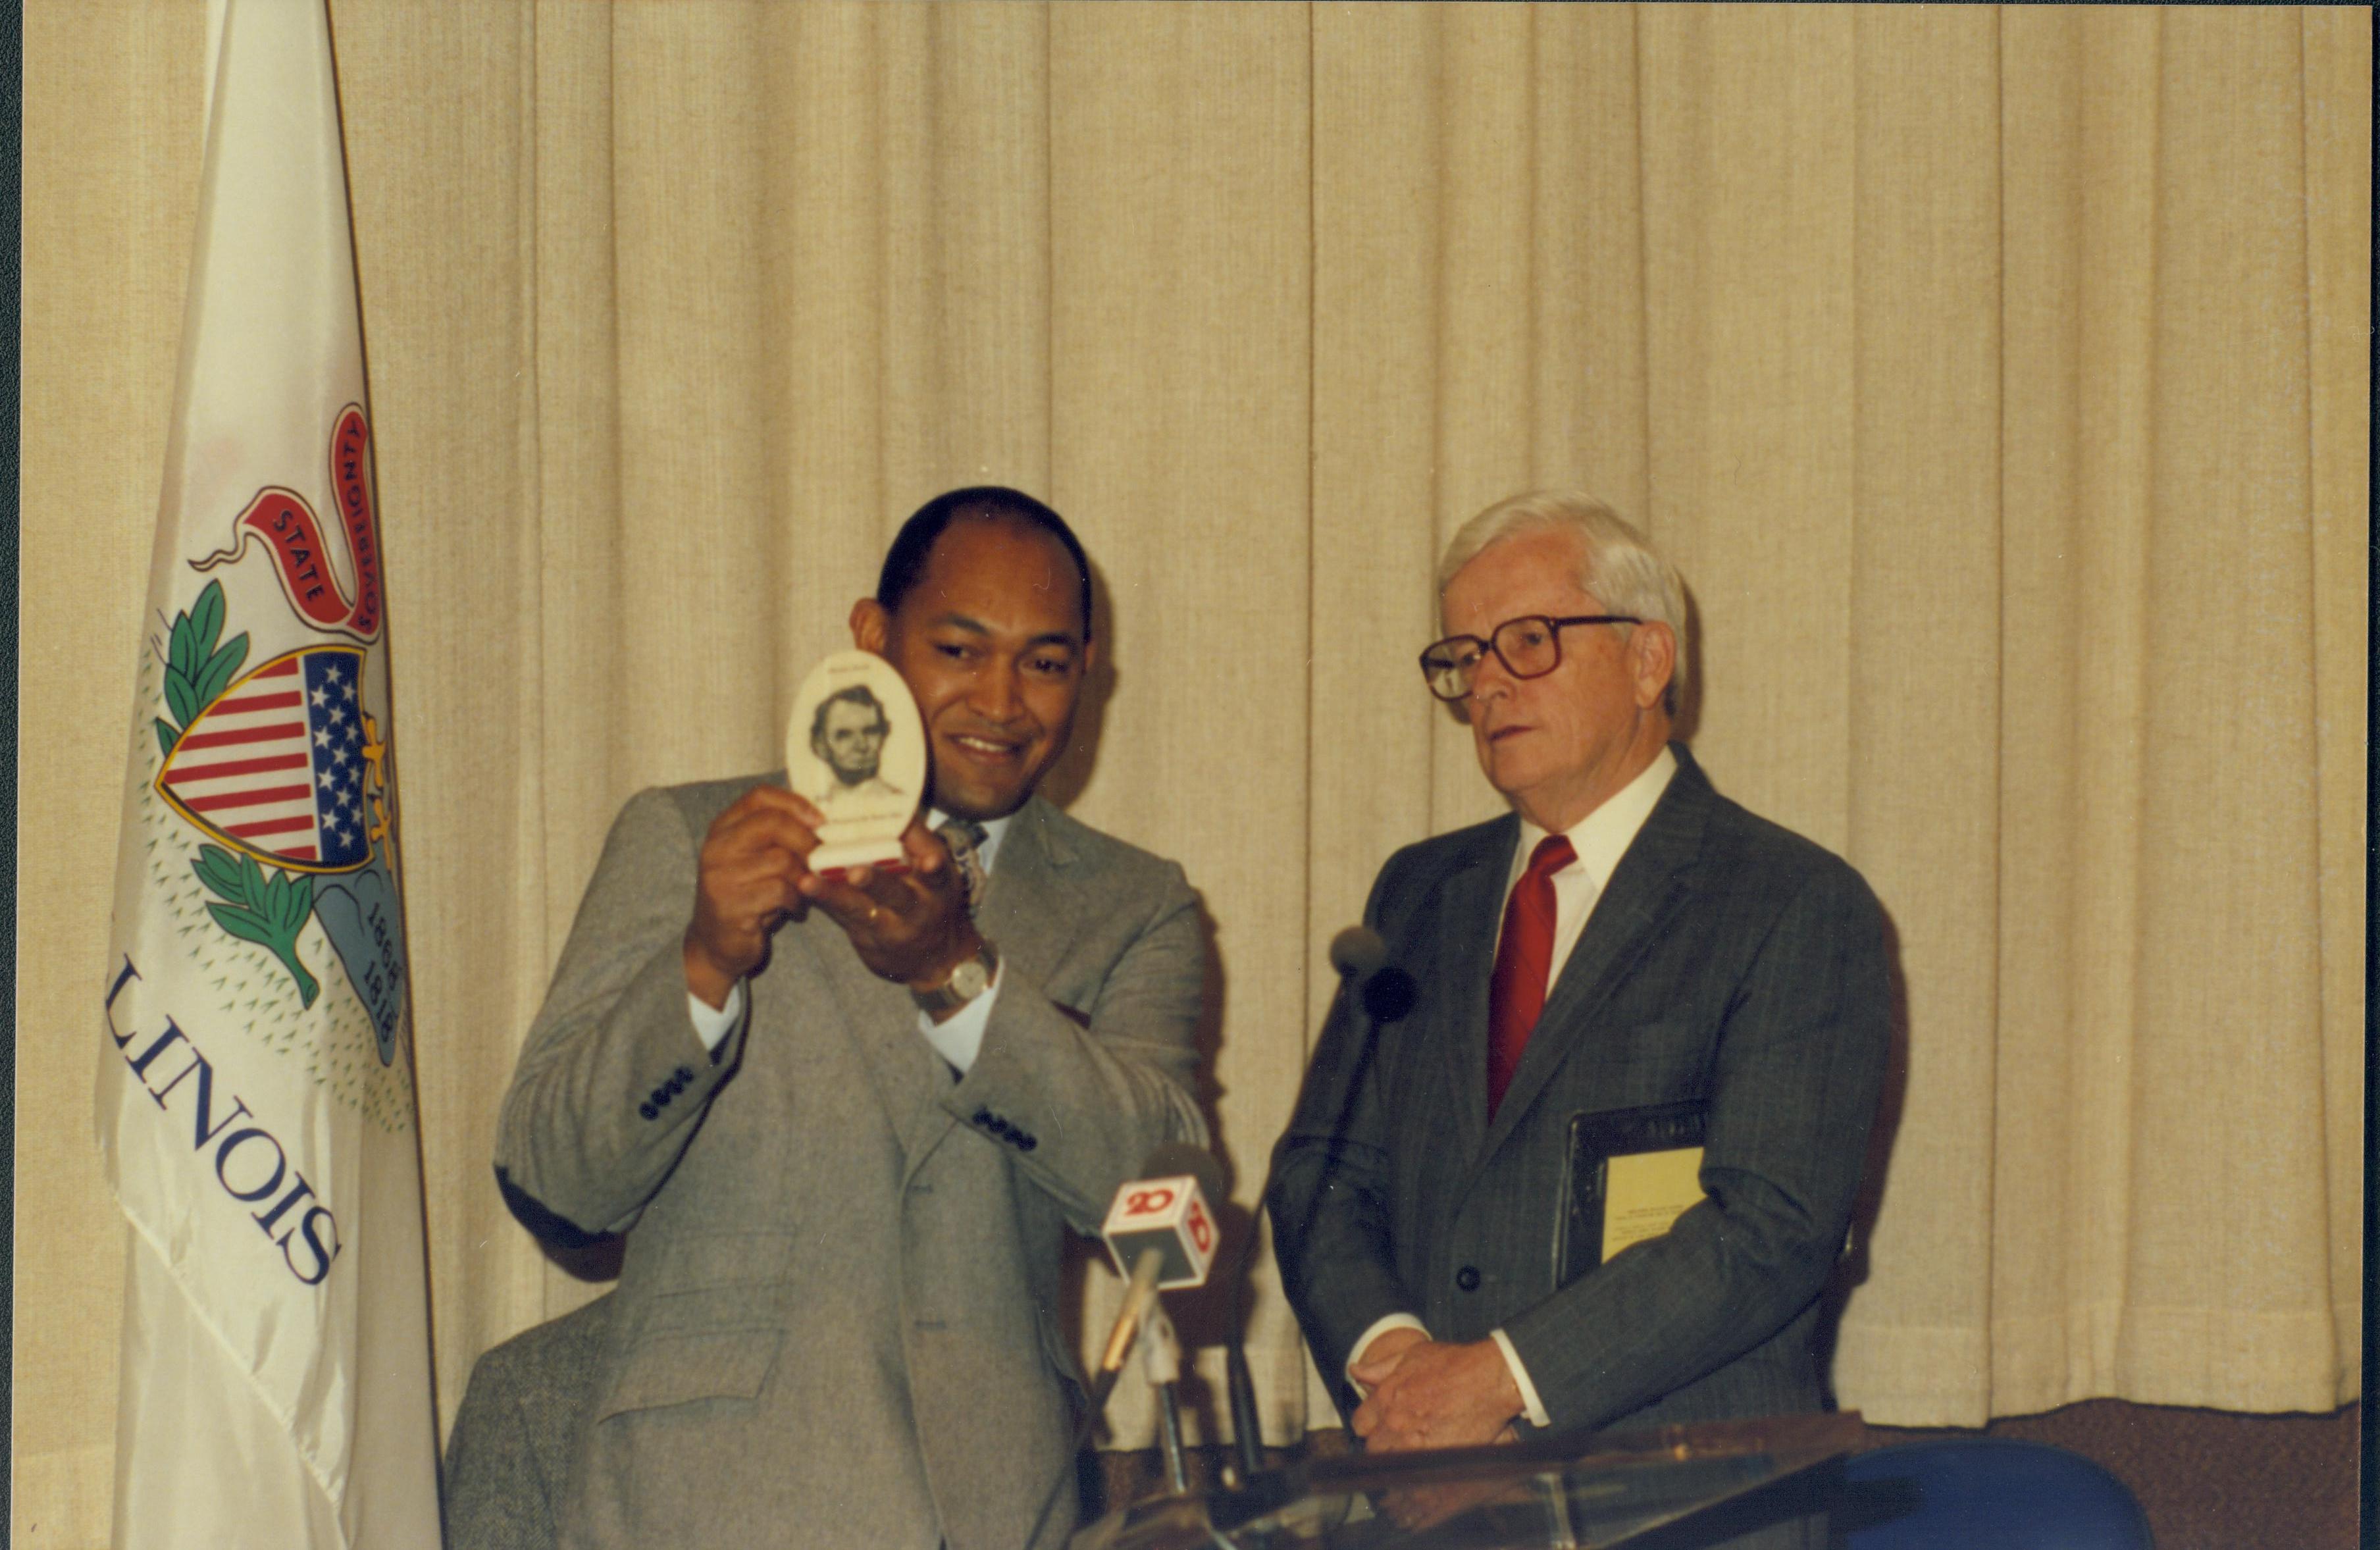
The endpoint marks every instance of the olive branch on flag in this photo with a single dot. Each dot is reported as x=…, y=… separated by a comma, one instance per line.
x=266, y=909
x=196, y=670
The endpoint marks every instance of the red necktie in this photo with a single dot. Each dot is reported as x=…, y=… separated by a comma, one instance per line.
x=1516, y=990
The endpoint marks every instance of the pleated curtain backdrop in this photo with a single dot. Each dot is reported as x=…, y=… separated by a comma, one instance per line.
x=1998, y=378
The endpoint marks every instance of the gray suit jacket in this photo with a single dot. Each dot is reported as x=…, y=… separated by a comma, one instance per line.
x=837, y=1320
x=1727, y=962
x=508, y=1456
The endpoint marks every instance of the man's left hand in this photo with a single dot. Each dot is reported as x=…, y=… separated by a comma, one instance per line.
x=1438, y=1394
x=910, y=926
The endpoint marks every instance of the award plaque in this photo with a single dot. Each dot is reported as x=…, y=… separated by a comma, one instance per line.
x=855, y=746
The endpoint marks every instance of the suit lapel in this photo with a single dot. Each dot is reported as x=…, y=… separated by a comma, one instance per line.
x=1471, y=906
x=1026, y=911
x=1652, y=880
x=881, y=1021
x=1029, y=912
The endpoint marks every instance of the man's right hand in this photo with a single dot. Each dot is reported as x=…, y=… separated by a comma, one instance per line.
x=752, y=857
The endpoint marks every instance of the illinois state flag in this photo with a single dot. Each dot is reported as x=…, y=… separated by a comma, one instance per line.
x=256, y=1094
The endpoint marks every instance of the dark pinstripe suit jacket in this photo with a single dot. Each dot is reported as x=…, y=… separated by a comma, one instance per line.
x=1730, y=961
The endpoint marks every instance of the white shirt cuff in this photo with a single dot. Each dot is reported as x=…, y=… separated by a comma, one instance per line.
x=713, y=1026
x=1364, y=1343
x=1531, y=1406
x=960, y=1039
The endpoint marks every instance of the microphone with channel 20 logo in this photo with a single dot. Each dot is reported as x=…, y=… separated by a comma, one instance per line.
x=1162, y=1236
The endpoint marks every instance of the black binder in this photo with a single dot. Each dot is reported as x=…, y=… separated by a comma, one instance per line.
x=1596, y=1138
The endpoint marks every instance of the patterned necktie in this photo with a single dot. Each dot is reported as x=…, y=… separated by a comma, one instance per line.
x=965, y=839
x=1516, y=990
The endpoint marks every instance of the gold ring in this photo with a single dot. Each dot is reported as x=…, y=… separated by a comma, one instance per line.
x=872, y=913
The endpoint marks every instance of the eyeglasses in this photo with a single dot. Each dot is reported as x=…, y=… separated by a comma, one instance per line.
x=1529, y=647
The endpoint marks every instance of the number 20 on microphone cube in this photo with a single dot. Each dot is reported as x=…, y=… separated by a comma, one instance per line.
x=1168, y=1214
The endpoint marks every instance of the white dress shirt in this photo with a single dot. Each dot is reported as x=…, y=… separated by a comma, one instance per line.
x=958, y=1040
x=1600, y=839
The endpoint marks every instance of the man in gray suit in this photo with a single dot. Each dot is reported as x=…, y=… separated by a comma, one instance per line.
x=1626, y=950
x=850, y=1118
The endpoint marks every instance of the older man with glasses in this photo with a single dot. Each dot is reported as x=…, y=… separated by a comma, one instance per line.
x=1599, y=1172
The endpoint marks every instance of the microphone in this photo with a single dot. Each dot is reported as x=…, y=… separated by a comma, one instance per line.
x=1358, y=953
x=1374, y=993
x=1384, y=992
x=1161, y=1235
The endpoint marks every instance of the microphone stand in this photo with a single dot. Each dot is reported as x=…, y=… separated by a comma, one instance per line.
x=1139, y=1300
x=1247, y=1428
x=1376, y=993
x=1160, y=1356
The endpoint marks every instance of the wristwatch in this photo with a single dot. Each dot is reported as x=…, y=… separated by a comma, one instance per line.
x=970, y=979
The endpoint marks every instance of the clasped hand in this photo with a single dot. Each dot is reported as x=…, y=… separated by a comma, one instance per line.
x=1428, y=1393
x=754, y=874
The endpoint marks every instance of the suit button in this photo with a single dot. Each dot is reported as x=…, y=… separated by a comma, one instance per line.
x=1467, y=1278
x=648, y=1112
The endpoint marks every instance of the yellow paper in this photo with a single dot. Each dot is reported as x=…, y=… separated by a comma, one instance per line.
x=1644, y=1191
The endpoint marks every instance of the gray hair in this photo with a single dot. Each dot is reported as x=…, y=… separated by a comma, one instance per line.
x=1620, y=567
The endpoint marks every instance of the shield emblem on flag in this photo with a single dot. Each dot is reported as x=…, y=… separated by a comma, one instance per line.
x=281, y=766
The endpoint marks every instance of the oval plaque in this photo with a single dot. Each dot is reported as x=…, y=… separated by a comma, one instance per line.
x=855, y=746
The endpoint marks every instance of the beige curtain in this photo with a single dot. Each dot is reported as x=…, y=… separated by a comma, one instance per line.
x=1998, y=378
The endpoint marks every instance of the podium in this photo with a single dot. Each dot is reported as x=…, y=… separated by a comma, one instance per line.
x=1559, y=1494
